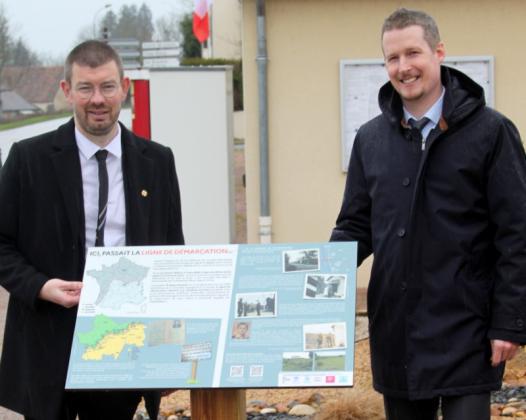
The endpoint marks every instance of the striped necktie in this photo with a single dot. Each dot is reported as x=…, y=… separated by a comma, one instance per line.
x=101, y=156
x=416, y=129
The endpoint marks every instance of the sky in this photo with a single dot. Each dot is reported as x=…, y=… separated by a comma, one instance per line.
x=52, y=27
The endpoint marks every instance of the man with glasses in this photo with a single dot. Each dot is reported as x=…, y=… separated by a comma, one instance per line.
x=91, y=182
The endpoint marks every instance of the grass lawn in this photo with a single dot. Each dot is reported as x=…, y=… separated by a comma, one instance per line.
x=32, y=120
x=297, y=365
x=330, y=363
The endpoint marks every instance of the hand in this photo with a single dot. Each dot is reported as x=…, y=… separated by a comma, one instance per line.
x=502, y=351
x=61, y=292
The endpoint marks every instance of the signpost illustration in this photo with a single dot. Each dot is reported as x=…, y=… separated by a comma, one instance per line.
x=193, y=353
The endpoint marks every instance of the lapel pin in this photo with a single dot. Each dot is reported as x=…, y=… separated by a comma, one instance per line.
x=144, y=193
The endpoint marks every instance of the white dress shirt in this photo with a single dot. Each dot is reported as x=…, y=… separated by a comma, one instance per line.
x=434, y=113
x=115, y=228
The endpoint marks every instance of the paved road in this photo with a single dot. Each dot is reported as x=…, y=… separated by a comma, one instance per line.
x=8, y=137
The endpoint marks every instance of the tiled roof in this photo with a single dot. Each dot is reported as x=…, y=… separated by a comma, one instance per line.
x=35, y=84
x=12, y=102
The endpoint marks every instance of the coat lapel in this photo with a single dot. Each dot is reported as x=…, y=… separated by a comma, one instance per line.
x=66, y=165
x=138, y=171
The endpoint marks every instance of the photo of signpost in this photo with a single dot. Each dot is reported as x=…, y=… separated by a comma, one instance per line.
x=193, y=353
x=325, y=336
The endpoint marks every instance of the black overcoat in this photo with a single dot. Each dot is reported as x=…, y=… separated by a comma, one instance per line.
x=447, y=227
x=42, y=237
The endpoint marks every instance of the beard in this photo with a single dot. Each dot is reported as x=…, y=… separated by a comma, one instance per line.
x=97, y=120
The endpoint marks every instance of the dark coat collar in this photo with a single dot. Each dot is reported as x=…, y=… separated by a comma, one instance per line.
x=462, y=97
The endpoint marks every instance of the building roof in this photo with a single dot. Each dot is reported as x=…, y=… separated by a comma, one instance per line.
x=13, y=102
x=35, y=84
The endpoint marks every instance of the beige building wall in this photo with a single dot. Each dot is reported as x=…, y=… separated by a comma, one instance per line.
x=306, y=41
x=59, y=102
x=226, y=29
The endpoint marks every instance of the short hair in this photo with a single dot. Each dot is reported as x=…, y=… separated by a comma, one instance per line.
x=93, y=54
x=402, y=18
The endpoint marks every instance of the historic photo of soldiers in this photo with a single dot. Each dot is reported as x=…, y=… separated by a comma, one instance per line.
x=254, y=305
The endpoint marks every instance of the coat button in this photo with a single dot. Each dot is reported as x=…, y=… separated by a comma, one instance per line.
x=519, y=323
x=401, y=232
x=403, y=286
x=406, y=182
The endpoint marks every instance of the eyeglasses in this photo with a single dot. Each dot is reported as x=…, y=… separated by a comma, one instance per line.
x=108, y=90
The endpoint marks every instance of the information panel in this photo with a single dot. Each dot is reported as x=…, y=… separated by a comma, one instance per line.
x=241, y=316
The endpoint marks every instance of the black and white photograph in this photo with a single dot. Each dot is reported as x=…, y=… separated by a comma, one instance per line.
x=301, y=260
x=329, y=336
x=325, y=286
x=256, y=305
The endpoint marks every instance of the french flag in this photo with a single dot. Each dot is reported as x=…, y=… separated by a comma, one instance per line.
x=200, y=25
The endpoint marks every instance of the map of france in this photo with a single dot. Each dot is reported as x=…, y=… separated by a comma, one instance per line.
x=120, y=283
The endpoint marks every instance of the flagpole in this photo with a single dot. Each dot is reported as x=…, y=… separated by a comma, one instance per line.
x=211, y=26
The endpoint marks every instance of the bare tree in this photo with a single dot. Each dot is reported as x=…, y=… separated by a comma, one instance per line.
x=85, y=33
x=167, y=28
x=144, y=23
x=108, y=23
x=4, y=38
x=22, y=56
x=4, y=52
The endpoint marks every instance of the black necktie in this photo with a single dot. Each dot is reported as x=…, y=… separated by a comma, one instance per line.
x=416, y=129
x=101, y=156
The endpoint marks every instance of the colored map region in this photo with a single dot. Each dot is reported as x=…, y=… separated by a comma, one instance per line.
x=120, y=283
x=108, y=338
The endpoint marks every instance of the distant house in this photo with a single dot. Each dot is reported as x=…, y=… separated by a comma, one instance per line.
x=13, y=105
x=37, y=85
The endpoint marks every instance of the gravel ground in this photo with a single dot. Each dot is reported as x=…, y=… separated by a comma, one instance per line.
x=515, y=377
x=362, y=379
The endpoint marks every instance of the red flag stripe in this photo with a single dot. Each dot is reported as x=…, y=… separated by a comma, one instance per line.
x=201, y=28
